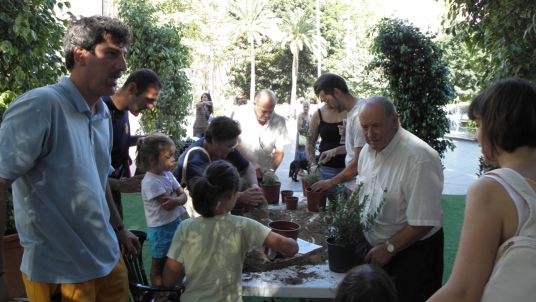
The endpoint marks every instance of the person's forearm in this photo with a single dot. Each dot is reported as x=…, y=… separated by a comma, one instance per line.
x=114, y=183
x=277, y=158
x=340, y=150
x=115, y=218
x=408, y=236
x=345, y=175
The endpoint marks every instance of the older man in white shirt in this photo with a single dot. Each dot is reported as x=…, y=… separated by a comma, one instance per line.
x=264, y=133
x=402, y=174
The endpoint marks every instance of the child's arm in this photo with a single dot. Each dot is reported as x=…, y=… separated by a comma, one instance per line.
x=173, y=273
x=169, y=202
x=286, y=246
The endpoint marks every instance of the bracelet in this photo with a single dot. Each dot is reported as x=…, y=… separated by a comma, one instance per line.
x=119, y=228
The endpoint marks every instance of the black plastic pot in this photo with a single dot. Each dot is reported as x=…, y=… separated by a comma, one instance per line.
x=340, y=256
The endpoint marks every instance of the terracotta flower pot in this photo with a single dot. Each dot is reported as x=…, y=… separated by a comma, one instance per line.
x=291, y=202
x=285, y=193
x=286, y=228
x=315, y=200
x=305, y=185
x=12, y=259
x=271, y=192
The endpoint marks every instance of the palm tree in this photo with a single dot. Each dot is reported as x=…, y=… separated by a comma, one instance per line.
x=299, y=30
x=254, y=20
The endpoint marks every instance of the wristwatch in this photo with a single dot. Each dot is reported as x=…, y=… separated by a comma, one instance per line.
x=389, y=247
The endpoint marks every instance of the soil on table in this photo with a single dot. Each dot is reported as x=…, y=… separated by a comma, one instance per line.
x=311, y=230
x=311, y=227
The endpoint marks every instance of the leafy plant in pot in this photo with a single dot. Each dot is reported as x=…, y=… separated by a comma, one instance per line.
x=345, y=224
x=315, y=200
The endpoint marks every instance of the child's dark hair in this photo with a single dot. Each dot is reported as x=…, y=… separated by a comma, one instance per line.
x=366, y=283
x=219, y=179
x=149, y=149
x=507, y=111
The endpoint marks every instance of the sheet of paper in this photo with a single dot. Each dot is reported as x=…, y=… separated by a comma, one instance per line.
x=306, y=247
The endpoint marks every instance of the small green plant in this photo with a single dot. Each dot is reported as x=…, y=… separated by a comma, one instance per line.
x=346, y=220
x=268, y=179
x=313, y=177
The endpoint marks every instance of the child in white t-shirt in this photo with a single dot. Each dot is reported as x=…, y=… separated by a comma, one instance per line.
x=210, y=250
x=162, y=197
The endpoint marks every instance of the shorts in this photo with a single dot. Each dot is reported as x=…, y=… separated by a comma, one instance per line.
x=160, y=238
x=110, y=288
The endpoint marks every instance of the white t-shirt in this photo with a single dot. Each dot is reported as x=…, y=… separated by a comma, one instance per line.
x=261, y=141
x=354, y=137
x=153, y=186
x=409, y=175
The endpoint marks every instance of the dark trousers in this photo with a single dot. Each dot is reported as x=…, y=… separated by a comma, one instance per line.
x=417, y=271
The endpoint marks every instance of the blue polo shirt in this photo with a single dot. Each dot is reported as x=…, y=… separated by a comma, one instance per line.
x=58, y=154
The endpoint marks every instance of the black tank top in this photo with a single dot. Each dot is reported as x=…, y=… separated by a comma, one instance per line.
x=329, y=133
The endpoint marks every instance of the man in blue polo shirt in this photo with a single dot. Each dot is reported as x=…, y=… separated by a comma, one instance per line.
x=138, y=93
x=55, y=144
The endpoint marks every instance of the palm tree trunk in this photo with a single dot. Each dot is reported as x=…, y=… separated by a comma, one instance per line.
x=295, y=60
x=252, y=59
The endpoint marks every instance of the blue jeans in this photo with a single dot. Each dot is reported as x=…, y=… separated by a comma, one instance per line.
x=330, y=172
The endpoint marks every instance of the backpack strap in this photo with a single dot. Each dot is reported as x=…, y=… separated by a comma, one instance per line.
x=185, y=162
x=520, y=185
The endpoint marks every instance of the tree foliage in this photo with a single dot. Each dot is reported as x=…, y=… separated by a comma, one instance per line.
x=417, y=77
x=299, y=31
x=30, y=46
x=273, y=66
x=504, y=30
x=253, y=20
x=160, y=48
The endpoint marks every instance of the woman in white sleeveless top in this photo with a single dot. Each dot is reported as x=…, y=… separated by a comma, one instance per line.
x=505, y=114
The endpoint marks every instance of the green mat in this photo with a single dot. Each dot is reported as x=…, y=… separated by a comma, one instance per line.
x=453, y=208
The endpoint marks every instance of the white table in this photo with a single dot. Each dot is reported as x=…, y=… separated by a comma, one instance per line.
x=322, y=282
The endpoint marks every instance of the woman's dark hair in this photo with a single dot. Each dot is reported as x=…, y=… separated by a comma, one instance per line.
x=90, y=31
x=507, y=113
x=219, y=180
x=210, y=108
x=222, y=129
x=366, y=283
x=149, y=149
x=328, y=82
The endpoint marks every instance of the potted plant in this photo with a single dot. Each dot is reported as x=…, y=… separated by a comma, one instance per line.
x=270, y=187
x=315, y=200
x=345, y=224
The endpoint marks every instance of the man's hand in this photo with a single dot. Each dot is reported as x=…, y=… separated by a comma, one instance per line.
x=322, y=185
x=131, y=244
x=327, y=155
x=130, y=184
x=252, y=196
x=378, y=255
